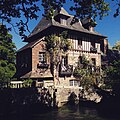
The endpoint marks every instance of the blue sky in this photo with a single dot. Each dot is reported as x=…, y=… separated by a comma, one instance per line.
x=108, y=26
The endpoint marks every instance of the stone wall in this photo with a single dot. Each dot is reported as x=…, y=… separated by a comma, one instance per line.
x=63, y=84
x=91, y=95
x=63, y=93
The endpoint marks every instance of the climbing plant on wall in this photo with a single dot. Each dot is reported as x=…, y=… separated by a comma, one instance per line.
x=57, y=46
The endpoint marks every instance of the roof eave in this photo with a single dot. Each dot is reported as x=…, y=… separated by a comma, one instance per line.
x=65, y=27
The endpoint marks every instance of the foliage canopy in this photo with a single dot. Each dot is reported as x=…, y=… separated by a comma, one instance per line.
x=117, y=46
x=112, y=71
x=7, y=56
x=87, y=73
x=57, y=46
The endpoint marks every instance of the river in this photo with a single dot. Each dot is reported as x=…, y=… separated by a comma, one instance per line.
x=64, y=113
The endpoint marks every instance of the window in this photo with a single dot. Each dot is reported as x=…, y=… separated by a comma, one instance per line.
x=74, y=83
x=93, y=61
x=63, y=21
x=97, y=45
x=42, y=57
x=71, y=82
x=80, y=59
x=93, y=44
x=79, y=44
x=64, y=60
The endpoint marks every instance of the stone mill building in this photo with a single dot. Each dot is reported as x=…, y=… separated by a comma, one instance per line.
x=32, y=62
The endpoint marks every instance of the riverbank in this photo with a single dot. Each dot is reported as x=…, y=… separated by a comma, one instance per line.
x=67, y=112
x=25, y=102
x=108, y=107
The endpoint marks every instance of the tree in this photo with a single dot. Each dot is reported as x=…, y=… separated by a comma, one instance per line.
x=116, y=46
x=87, y=73
x=57, y=46
x=27, y=82
x=113, y=69
x=113, y=77
x=26, y=10
x=7, y=57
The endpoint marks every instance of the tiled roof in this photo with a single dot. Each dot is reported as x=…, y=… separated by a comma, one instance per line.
x=29, y=45
x=37, y=75
x=77, y=26
x=42, y=25
x=46, y=23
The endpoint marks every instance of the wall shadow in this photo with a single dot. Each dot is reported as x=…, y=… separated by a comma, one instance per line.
x=24, y=101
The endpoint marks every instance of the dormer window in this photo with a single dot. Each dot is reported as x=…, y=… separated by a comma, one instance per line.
x=63, y=20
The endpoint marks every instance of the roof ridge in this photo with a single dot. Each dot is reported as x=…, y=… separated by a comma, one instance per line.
x=62, y=11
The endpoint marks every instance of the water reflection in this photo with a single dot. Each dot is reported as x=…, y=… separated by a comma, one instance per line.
x=64, y=113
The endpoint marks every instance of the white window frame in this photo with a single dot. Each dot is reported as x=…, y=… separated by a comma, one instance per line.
x=74, y=83
x=63, y=21
x=42, y=58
